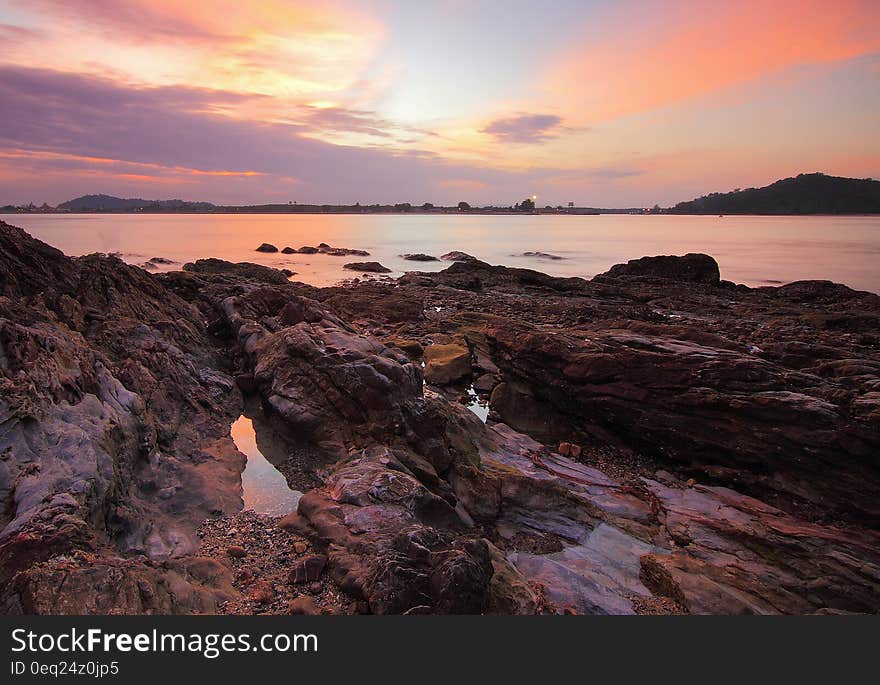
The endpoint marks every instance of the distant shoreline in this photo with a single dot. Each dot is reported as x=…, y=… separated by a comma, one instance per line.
x=622, y=212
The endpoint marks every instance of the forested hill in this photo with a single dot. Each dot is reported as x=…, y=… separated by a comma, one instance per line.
x=109, y=203
x=803, y=194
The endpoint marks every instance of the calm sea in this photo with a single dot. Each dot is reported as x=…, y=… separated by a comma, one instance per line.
x=750, y=249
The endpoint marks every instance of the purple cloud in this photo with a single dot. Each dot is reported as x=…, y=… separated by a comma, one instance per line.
x=55, y=117
x=346, y=120
x=525, y=128
x=139, y=20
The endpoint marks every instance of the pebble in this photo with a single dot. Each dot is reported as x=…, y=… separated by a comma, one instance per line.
x=236, y=552
x=262, y=593
x=308, y=569
x=303, y=606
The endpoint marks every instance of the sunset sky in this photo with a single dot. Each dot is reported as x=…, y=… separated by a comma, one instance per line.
x=601, y=103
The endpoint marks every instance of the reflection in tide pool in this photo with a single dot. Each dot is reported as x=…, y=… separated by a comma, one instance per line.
x=477, y=405
x=265, y=490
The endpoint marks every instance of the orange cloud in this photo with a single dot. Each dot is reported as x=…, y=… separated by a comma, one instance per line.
x=271, y=47
x=695, y=47
x=85, y=161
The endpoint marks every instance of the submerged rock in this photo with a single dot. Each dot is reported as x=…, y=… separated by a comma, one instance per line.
x=542, y=255
x=267, y=247
x=324, y=248
x=419, y=257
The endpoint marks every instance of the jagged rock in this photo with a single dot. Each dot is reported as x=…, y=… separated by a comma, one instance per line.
x=457, y=256
x=115, y=427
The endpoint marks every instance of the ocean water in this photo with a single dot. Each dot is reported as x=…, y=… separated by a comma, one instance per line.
x=755, y=250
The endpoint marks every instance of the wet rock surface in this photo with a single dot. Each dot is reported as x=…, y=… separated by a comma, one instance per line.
x=659, y=441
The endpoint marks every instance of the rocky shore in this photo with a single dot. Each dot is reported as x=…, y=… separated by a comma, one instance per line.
x=657, y=441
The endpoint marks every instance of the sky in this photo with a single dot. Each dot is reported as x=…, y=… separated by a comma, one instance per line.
x=604, y=103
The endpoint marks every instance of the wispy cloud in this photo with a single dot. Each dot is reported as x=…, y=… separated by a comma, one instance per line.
x=89, y=129
x=654, y=54
x=284, y=48
x=332, y=121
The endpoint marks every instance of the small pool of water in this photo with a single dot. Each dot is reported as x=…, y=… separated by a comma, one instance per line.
x=478, y=406
x=265, y=489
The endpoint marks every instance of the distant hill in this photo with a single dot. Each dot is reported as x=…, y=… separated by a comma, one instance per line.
x=803, y=194
x=108, y=203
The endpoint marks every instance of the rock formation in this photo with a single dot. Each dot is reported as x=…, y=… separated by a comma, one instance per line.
x=727, y=440
x=367, y=267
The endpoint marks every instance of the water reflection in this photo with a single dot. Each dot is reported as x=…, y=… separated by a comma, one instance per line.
x=265, y=490
x=477, y=405
x=749, y=249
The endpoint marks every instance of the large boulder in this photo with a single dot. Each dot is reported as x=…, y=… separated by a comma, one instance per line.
x=446, y=364
x=690, y=268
